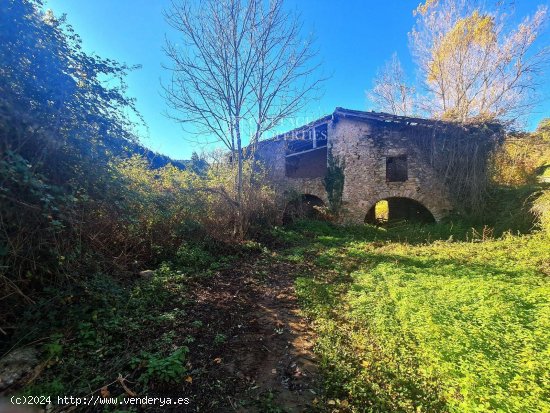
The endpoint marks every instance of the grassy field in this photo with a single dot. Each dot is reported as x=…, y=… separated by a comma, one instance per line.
x=432, y=318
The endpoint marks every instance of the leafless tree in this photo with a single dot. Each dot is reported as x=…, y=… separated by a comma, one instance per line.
x=390, y=92
x=239, y=68
x=473, y=64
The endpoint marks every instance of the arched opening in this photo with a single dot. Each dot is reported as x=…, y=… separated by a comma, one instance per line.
x=398, y=209
x=305, y=206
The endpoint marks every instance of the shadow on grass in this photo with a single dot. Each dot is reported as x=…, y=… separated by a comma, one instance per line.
x=332, y=235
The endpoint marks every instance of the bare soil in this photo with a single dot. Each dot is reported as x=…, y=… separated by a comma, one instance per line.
x=266, y=362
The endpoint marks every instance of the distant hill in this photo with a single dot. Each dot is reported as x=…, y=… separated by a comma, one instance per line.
x=157, y=160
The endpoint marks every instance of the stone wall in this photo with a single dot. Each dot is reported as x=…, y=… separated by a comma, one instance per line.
x=364, y=147
x=272, y=154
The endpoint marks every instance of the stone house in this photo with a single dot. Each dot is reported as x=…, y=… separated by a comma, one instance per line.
x=378, y=161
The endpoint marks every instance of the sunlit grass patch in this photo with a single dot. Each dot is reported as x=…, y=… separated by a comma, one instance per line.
x=432, y=326
x=381, y=211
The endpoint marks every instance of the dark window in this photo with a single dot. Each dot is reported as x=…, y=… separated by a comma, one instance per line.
x=310, y=164
x=396, y=168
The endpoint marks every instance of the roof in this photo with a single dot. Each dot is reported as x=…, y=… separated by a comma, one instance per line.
x=411, y=121
x=299, y=129
x=387, y=118
x=382, y=117
x=359, y=116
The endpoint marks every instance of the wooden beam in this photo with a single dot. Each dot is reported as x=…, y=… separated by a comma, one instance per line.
x=306, y=151
x=314, y=138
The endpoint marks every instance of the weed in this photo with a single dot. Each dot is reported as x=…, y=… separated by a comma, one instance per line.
x=220, y=339
x=54, y=349
x=166, y=369
x=193, y=257
x=439, y=319
x=267, y=404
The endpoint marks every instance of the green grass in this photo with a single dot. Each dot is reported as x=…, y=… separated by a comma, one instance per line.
x=428, y=318
x=408, y=318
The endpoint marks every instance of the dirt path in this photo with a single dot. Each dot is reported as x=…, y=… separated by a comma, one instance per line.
x=266, y=364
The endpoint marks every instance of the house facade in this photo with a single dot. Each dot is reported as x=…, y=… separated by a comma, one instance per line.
x=378, y=158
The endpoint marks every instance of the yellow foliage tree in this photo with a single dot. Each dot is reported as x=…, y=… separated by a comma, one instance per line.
x=474, y=65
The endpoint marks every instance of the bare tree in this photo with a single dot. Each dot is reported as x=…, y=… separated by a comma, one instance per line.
x=390, y=92
x=241, y=67
x=473, y=65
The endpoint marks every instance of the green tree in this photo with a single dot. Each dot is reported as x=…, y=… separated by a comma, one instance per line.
x=63, y=115
x=198, y=164
x=543, y=130
x=49, y=88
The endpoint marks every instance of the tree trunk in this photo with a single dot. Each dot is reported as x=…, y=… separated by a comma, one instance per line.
x=239, y=223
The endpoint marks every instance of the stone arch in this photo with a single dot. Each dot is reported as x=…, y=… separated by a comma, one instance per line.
x=397, y=209
x=303, y=206
x=428, y=202
x=436, y=203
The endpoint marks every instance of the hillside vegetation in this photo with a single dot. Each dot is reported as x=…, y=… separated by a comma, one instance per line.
x=78, y=195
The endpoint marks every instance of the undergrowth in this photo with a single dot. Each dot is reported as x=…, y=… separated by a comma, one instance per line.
x=92, y=331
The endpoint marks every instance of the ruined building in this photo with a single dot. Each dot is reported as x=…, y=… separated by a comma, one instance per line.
x=378, y=160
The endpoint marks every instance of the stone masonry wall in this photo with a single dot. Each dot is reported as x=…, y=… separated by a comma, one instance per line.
x=272, y=154
x=364, y=147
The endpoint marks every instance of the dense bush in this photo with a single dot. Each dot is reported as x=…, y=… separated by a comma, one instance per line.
x=517, y=179
x=59, y=124
x=259, y=198
x=72, y=202
x=521, y=158
x=541, y=208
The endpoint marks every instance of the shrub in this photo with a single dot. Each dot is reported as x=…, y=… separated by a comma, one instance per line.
x=60, y=123
x=193, y=257
x=541, y=208
x=220, y=214
x=519, y=159
x=334, y=182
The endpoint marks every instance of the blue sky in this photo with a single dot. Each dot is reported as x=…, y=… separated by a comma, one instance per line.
x=354, y=38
